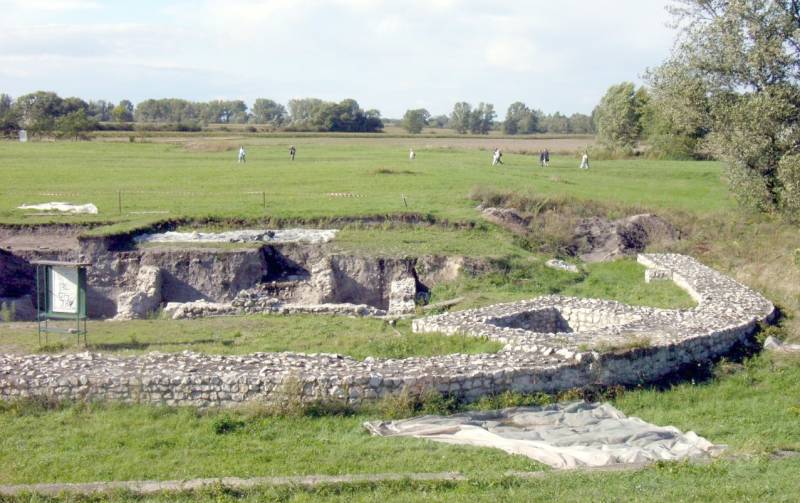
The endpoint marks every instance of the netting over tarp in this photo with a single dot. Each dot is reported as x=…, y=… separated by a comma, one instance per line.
x=562, y=436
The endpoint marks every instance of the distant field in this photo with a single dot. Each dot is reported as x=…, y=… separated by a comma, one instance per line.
x=330, y=178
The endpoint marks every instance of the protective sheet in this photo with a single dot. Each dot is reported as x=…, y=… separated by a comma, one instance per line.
x=242, y=236
x=62, y=207
x=562, y=436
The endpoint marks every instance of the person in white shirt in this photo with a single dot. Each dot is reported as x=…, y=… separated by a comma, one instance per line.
x=411, y=154
x=497, y=157
x=585, y=161
x=242, y=154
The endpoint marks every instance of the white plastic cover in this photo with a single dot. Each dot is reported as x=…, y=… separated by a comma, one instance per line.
x=562, y=436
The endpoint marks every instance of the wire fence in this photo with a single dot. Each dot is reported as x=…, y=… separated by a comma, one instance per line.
x=142, y=201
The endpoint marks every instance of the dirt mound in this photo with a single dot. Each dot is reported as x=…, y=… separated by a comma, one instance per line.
x=508, y=218
x=597, y=239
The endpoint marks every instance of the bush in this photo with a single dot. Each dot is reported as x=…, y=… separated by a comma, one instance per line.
x=406, y=404
x=225, y=424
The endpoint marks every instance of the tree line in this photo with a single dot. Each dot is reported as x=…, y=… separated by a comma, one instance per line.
x=520, y=119
x=46, y=113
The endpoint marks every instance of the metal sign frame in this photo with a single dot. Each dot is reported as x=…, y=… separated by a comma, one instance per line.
x=57, y=301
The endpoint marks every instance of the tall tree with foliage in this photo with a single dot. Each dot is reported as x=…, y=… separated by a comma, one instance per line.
x=414, y=121
x=123, y=112
x=745, y=56
x=482, y=119
x=460, y=117
x=268, y=112
x=520, y=119
x=37, y=111
x=9, y=120
x=618, y=117
x=75, y=125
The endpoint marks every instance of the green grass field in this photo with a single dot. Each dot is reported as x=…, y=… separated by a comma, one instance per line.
x=365, y=180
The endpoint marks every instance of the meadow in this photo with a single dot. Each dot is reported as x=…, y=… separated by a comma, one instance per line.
x=200, y=179
x=751, y=403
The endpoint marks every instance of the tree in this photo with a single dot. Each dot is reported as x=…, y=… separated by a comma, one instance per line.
x=745, y=57
x=268, y=112
x=618, y=117
x=37, y=111
x=373, y=121
x=516, y=113
x=482, y=119
x=222, y=112
x=123, y=112
x=460, y=117
x=676, y=118
x=415, y=120
x=5, y=104
x=438, y=121
x=346, y=116
x=75, y=125
x=73, y=104
x=166, y=110
x=556, y=123
x=100, y=110
x=580, y=123
x=9, y=121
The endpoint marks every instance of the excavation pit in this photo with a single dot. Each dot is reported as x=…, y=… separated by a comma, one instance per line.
x=597, y=352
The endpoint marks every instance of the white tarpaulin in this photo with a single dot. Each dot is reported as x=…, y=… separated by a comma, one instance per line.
x=562, y=436
x=62, y=207
x=242, y=236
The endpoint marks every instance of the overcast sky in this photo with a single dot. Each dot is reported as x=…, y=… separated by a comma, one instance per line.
x=391, y=55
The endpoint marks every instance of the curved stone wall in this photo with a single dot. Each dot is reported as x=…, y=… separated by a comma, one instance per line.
x=550, y=343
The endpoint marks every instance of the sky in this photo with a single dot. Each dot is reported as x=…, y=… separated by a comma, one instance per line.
x=392, y=55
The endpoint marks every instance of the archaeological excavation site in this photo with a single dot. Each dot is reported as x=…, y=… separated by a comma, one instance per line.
x=549, y=343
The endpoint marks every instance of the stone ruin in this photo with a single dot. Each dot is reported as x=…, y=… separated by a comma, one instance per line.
x=551, y=343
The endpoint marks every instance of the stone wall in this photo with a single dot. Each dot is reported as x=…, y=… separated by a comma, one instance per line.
x=597, y=351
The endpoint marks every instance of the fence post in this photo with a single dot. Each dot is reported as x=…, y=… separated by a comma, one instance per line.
x=264, y=200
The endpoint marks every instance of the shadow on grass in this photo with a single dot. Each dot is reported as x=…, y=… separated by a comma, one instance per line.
x=141, y=346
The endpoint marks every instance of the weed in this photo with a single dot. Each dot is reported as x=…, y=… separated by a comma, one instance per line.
x=224, y=424
x=399, y=405
x=8, y=311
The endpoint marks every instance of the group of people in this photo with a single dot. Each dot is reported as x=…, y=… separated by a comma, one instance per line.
x=243, y=154
x=497, y=156
x=544, y=158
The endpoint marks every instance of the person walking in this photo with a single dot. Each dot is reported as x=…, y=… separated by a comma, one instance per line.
x=242, y=154
x=292, y=152
x=541, y=158
x=585, y=161
x=411, y=154
x=497, y=157
x=546, y=158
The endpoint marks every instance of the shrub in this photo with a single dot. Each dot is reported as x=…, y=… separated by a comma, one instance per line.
x=225, y=424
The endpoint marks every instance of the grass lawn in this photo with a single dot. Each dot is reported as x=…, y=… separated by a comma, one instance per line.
x=328, y=179
x=752, y=407
x=237, y=335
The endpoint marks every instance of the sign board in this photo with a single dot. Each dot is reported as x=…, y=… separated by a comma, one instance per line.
x=64, y=290
x=23, y=135
x=61, y=298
